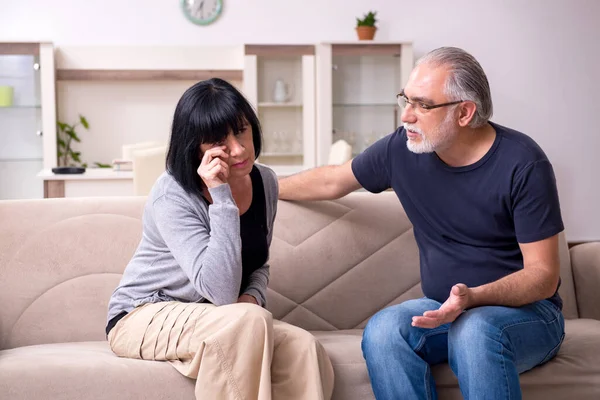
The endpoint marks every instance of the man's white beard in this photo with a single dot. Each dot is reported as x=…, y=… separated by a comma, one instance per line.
x=443, y=133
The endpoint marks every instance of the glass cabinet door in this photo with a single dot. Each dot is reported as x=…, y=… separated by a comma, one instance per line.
x=21, y=152
x=357, y=87
x=363, y=98
x=279, y=81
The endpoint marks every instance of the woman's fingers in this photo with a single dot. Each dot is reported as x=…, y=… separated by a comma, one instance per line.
x=214, y=172
x=211, y=154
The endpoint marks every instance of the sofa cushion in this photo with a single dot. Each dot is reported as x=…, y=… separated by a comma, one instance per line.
x=573, y=374
x=350, y=371
x=94, y=372
x=86, y=370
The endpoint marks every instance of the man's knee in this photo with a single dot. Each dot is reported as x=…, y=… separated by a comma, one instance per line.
x=473, y=335
x=392, y=324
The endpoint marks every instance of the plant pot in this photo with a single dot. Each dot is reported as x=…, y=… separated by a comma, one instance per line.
x=6, y=96
x=366, y=32
x=68, y=170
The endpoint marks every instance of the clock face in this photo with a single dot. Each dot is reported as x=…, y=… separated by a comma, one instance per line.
x=202, y=12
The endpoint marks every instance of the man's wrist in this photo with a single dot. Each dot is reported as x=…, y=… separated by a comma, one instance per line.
x=475, y=297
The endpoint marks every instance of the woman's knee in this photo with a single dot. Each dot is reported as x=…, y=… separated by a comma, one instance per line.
x=250, y=314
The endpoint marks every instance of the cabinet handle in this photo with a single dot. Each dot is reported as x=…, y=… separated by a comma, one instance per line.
x=39, y=133
x=36, y=66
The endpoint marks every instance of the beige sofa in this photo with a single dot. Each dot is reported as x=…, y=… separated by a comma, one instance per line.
x=334, y=264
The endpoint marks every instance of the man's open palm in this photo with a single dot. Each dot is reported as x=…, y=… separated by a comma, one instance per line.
x=448, y=312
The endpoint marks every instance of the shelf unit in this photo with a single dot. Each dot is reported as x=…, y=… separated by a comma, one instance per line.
x=288, y=124
x=29, y=124
x=129, y=93
x=356, y=92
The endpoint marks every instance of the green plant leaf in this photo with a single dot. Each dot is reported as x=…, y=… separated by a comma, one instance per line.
x=59, y=153
x=73, y=135
x=61, y=143
x=75, y=156
x=101, y=165
x=62, y=126
x=84, y=165
x=84, y=122
x=368, y=19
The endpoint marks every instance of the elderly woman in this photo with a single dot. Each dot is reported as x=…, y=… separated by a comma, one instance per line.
x=195, y=290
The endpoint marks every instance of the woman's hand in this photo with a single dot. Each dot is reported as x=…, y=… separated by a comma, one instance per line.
x=213, y=168
x=246, y=298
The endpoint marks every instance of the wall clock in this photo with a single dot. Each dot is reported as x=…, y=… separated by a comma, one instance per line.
x=202, y=12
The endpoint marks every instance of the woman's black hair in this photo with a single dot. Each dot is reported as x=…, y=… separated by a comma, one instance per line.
x=206, y=113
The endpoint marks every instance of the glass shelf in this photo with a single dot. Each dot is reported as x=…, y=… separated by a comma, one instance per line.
x=24, y=107
x=282, y=154
x=365, y=105
x=279, y=105
x=23, y=159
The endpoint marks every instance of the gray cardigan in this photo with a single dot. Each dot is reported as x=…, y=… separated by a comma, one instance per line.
x=191, y=252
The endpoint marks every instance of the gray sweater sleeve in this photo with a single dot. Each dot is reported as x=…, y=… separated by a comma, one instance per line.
x=208, y=253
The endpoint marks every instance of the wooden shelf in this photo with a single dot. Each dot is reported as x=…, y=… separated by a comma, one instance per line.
x=366, y=49
x=20, y=48
x=279, y=50
x=145, y=75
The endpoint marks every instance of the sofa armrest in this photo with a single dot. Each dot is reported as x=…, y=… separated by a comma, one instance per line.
x=585, y=260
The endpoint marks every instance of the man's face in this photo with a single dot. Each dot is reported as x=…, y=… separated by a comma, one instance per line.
x=428, y=130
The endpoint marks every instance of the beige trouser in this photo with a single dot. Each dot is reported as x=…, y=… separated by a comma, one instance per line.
x=234, y=352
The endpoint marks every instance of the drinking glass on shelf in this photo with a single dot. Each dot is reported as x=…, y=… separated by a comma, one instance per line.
x=274, y=148
x=351, y=138
x=283, y=142
x=268, y=145
x=280, y=144
x=297, y=143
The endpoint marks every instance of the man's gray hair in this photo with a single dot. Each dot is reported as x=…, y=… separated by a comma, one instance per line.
x=467, y=81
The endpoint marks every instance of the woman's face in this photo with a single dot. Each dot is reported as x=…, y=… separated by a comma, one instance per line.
x=240, y=148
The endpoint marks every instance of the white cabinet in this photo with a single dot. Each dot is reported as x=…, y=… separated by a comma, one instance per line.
x=356, y=92
x=27, y=117
x=279, y=81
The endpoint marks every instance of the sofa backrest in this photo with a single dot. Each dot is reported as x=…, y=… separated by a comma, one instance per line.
x=333, y=264
x=336, y=263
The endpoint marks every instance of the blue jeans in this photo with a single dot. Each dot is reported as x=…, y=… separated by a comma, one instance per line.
x=486, y=347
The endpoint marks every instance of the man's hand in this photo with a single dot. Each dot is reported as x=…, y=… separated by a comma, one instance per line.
x=457, y=302
x=246, y=298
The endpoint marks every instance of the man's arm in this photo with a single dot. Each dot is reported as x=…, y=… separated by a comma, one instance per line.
x=323, y=183
x=536, y=281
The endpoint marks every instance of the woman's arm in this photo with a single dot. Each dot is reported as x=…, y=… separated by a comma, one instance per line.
x=209, y=254
x=257, y=285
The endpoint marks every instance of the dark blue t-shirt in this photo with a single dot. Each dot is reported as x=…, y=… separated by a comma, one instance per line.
x=468, y=221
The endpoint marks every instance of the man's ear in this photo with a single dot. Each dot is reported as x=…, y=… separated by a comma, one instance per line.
x=467, y=112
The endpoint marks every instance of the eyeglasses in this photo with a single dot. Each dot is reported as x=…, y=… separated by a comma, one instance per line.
x=420, y=106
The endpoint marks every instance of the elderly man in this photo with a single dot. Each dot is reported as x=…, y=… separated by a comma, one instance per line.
x=484, y=205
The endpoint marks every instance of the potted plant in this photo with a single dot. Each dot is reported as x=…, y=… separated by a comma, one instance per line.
x=366, y=27
x=69, y=160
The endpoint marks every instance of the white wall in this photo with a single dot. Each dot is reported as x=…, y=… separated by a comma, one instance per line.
x=541, y=57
